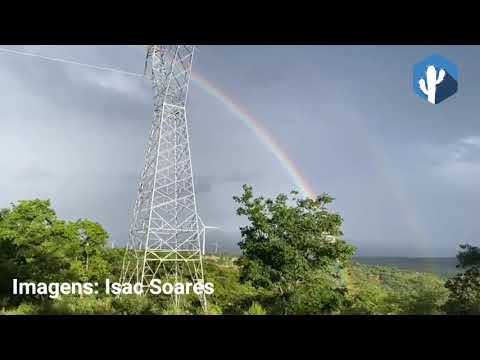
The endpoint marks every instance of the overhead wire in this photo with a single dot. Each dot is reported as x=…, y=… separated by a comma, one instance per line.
x=104, y=68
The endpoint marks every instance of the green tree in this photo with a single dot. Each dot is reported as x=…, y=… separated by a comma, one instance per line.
x=35, y=242
x=92, y=264
x=36, y=246
x=468, y=256
x=321, y=294
x=288, y=239
x=464, y=297
x=115, y=259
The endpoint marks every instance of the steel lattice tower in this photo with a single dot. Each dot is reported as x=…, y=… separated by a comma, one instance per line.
x=165, y=235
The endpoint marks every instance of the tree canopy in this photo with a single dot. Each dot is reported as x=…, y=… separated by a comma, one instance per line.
x=289, y=240
x=36, y=246
x=464, y=288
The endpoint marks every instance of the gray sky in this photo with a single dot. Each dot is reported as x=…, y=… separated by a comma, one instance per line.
x=405, y=174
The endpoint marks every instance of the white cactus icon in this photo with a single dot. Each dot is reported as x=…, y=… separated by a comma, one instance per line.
x=430, y=87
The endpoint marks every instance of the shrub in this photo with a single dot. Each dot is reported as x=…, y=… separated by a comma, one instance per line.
x=256, y=309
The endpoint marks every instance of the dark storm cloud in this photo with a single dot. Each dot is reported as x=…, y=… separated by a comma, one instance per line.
x=404, y=173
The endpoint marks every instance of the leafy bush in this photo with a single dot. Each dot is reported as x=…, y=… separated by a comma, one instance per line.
x=75, y=305
x=256, y=309
x=136, y=305
x=230, y=294
x=464, y=296
x=26, y=309
x=465, y=287
x=321, y=294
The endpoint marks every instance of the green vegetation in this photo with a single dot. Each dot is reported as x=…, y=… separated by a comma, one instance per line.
x=384, y=290
x=292, y=248
x=464, y=296
x=293, y=261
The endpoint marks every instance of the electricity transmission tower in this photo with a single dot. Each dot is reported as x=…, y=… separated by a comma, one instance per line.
x=165, y=235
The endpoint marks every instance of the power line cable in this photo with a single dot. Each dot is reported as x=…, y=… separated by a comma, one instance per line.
x=71, y=62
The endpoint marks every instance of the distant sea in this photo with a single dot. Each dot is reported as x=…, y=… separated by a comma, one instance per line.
x=443, y=267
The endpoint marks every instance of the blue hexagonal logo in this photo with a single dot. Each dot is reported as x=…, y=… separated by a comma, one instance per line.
x=435, y=79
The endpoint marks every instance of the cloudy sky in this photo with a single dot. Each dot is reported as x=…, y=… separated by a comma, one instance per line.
x=405, y=174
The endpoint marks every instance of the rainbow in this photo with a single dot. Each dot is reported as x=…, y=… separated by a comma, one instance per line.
x=267, y=139
x=300, y=181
